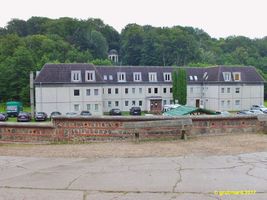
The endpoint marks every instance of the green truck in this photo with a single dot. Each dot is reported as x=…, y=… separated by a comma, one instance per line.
x=13, y=108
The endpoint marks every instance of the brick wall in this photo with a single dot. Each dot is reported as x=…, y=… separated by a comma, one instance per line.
x=127, y=128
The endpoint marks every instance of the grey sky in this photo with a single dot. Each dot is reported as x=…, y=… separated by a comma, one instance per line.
x=219, y=18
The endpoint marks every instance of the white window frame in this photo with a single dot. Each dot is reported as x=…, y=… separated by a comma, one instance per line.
x=121, y=76
x=88, y=92
x=105, y=77
x=76, y=76
x=137, y=76
x=239, y=75
x=152, y=76
x=227, y=76
x=88, y=107
x=96, y=92
x=110, y=77
x=76, y=107
x=90, y=76
x=237, y=102
x=167, y=76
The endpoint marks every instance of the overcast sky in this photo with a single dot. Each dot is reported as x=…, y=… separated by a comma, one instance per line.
x=219, y=18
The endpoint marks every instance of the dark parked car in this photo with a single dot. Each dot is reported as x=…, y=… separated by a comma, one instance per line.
x=85, y=113
x=40, y=116
x=135, y=111
x=24, y=117
x=3, y=116
x=55, y=113
x=115, y=111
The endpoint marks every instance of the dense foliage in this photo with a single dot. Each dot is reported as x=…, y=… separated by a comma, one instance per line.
x=27, y=45
x=179, y=86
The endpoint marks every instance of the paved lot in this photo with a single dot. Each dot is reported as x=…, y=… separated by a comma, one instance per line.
x=150, y=178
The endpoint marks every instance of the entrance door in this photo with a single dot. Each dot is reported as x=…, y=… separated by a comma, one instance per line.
x=155, y=105
x=197, y=103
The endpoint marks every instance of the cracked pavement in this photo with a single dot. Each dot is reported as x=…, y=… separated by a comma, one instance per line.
x=148, y=178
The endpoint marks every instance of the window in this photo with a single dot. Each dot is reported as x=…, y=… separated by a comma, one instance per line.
x=109, y=90
x=149, y=90
x=96, y=107
x=191, y=78
x=137, y=76
x=89, y=75
x=164, y=90
x=105, y=77
x=109, y=104
x=76, y=92
x=237, y=90
x=126, y=90
x=126, y=103
x=116, y=103
x=133, y=90
x=152, y=76
x=171, y=90
x=171, y=101
x=121, y=77
x=140, y=90
x=88, y=106
x=191, y=90
x=227, y=76
x=164, y=102
x=167, y=77
x=195, y=78
x=228, y=103
x=156, y=90
x=140, y=103
x=76, y=76
x=88, y=92
x=116, y=90
x=228, y=90
x=110, y=77
x=222, y=90
x=133, y=103
x=237, y=102
x=222, y=103
x=96, y=92
x=237, y=76
x=76, y=107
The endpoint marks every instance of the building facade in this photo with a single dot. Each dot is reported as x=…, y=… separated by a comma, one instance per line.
x=77, y=87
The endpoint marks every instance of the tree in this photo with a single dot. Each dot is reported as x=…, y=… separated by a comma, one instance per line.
x=179, y=88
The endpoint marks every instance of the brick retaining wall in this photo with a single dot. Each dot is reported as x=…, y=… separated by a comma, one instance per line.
x=127, y=128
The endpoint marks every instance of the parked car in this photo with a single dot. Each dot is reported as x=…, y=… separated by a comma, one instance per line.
x=244, y=112
x=24, y=117
x=223, y=113
x=258, y=107
x=115, y=111
x=135, y=111
x=71, y=114
x=3, y=116
x=85, y=113
x=55, y=113
x=256, y=112
x=40, y=116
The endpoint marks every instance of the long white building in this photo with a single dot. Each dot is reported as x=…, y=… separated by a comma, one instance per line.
x=77, y=87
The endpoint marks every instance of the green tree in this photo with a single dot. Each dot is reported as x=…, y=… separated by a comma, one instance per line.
x=179, y=88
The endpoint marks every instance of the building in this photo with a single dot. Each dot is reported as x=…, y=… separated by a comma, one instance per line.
x=77, y=87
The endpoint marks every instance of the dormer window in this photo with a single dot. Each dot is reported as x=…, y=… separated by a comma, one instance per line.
x=167, y=77
x=105, y=77
x=227, y=76
x=152, y=76
x=137, y=76
x=237, y=76
x=121, y=76
x=110, y=77
x=191, y=78
x=90, y=76
x=76, y=76
x=195, y=77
